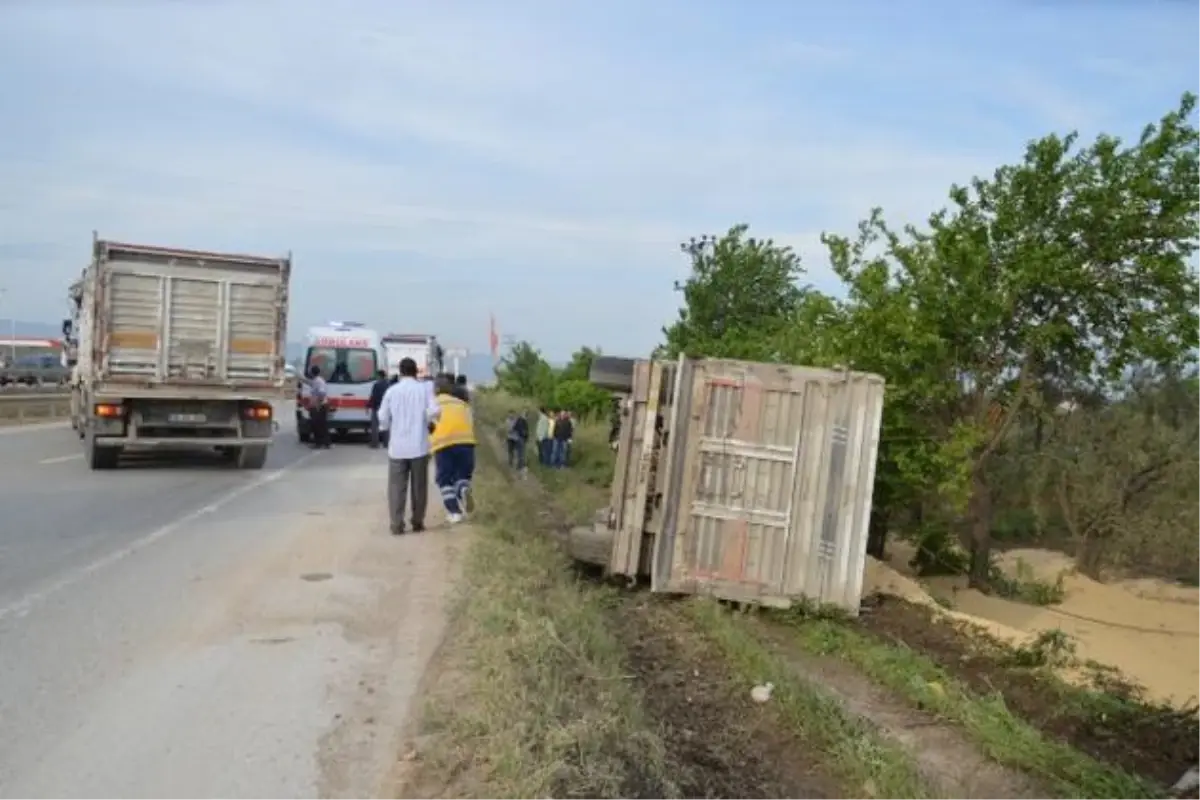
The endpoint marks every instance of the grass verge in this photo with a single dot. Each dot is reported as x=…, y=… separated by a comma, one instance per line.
x=851, y=748
x=535, y=700
x=999, y=733
x=1002, y=732
x=844, y=746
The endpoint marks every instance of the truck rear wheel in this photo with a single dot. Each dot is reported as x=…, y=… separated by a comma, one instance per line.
x=98, y=457
x=252, y=456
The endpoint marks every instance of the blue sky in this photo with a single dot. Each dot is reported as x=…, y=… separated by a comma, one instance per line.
x=429, y=163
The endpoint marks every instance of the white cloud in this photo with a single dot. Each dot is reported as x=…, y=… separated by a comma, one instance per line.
x=515, y=140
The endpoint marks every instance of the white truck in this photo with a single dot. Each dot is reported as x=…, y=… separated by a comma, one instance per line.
x=420, y=347
x=178, y=349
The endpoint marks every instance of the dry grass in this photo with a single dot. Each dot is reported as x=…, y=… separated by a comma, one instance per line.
x=531, y=698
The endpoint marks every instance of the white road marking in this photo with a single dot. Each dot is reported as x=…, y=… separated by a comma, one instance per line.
x=23, y=606
x=61, y=459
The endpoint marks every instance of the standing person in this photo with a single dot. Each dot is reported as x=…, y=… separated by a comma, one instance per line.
x=453, y=445
x=564, y=429
x=408, y=413
x=318, y=412
x=518, y=437
x=542, y=434
x=378, y=390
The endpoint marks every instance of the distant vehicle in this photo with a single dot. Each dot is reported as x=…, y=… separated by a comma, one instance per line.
x=420, y=347
x=349, y=354
x=40, y=369
x=176, y=348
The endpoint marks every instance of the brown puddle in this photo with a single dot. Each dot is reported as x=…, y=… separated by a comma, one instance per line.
x=1148, y=630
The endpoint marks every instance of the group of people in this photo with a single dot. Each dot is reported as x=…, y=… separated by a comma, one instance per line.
x=554, y=433
x=418, y=419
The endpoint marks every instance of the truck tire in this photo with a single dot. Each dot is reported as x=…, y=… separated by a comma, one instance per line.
x=252, y=456
x=98, y=457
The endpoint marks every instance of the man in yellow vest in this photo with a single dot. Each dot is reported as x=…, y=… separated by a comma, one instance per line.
x=453, y=446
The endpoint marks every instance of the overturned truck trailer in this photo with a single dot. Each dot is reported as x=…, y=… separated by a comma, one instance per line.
x=745, y=481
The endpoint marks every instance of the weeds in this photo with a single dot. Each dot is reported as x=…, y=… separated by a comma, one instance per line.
x=545, y=707
x=1024, y=587
x=1003, y=736
x=852, y=748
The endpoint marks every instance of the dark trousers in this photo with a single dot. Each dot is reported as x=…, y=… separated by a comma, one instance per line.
x=545, y=451
x=516, y=453
x=319, y=420
x=562, y=453
x=455, y=468
x=404, y=473
x=373, y=431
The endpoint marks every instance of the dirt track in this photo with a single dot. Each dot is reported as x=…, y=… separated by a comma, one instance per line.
x=722, y=743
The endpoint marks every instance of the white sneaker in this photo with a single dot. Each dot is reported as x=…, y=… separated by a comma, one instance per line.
x=468, y=500
x=454, y=519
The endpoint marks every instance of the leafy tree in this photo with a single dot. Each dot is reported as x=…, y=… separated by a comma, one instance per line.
x=580, y=365
x=1042, y=283
x=581, y=397
x=1072, y=265
x=741, y=294
x=525, y=373
x=1073, y=258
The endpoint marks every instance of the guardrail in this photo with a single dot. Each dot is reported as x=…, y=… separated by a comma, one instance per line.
x=23, y=407
x=30, y=389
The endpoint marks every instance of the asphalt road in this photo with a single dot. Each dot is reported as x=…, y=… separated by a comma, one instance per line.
x=178, y=627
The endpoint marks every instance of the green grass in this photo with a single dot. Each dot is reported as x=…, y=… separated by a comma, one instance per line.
x=854, y=749
x=541, y=705
x=851, y=748
x=1000, y=734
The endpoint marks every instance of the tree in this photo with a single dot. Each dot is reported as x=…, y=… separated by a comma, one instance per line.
x=1073, y=263
x=742, y=293
x=580, y=365
x=525, y=373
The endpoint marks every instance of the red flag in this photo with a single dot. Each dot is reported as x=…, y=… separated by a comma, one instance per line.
x=494, y=339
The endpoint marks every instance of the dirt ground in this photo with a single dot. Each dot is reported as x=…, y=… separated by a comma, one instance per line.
x=1157, y=742
x=720, y=742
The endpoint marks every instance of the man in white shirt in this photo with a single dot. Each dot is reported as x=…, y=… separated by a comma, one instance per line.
x=318, y=411
x=408, y=413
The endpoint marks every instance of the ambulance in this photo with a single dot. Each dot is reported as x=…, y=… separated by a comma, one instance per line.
x=420, y=347
x=349, y=354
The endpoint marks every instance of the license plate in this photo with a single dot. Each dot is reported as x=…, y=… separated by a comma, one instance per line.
x=192, y=418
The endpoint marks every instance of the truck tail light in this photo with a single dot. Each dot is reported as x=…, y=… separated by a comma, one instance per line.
x=109, y=410
x=257, y=412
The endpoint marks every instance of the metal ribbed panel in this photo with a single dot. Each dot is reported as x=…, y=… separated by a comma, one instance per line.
x=194, y=328
x=774, y=493
x=253, y=337
x=133, y=323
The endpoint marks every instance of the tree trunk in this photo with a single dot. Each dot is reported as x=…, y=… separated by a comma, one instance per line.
x=979, y=531
x=877, y=529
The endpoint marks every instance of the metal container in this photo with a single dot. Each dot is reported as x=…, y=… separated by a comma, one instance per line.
x=753, y=483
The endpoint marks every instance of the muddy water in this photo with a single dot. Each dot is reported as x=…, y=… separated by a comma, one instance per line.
x=1149, y=631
